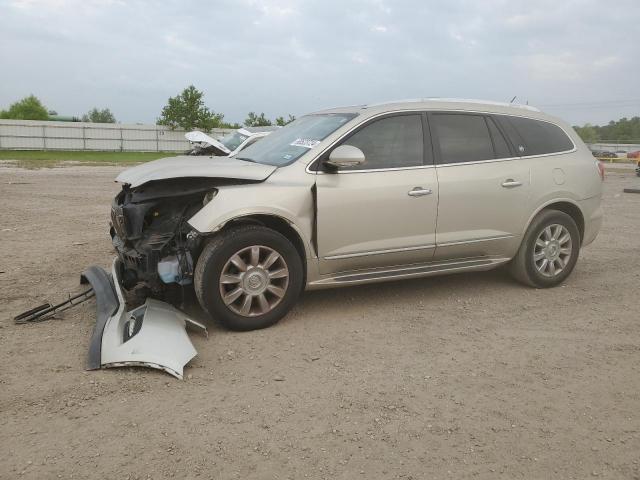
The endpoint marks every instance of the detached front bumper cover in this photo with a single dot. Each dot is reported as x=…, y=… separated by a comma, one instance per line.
x=152, y=335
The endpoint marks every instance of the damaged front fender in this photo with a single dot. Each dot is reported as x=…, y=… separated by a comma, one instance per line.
x=289, y=201
x=152, y=335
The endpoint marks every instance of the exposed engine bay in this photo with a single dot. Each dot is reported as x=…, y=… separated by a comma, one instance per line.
x=149, y=230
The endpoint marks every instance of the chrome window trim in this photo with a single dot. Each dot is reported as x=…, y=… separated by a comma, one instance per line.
x=390, y=169
x=493, y=160
x=378, y=252
x=329, y=147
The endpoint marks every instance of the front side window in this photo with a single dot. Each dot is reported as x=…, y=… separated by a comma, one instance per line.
x=391, y=142
x=462, y=138
x=287, y=144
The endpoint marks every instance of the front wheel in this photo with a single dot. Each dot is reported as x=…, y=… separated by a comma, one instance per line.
x=548, y=252
x=248, y=277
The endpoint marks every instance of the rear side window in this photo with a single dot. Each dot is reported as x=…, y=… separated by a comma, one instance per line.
x=535, y=137
x=391, y=142
x=462, y=138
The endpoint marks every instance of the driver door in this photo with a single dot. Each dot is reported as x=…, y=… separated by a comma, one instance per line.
x=383, y=212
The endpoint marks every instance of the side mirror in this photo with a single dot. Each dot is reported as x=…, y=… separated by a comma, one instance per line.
x=345, y=156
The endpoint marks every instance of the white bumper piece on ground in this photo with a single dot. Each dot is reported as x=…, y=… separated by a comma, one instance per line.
x=152, y=335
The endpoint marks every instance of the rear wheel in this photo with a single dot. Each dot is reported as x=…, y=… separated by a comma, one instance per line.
x=549, y=250
x=248, y=277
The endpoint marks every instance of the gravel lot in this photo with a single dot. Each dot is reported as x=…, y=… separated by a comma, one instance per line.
x=465, y=376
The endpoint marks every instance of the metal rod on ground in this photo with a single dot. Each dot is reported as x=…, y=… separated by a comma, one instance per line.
x=46, y=311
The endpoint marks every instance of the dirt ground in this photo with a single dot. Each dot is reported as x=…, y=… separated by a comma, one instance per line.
x=465, y=376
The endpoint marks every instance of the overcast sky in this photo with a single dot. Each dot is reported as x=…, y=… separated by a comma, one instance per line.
x=579, y=59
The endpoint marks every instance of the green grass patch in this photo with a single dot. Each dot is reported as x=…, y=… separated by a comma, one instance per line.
x=54, y=158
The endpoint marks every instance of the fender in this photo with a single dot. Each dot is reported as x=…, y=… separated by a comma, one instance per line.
x=289, y=202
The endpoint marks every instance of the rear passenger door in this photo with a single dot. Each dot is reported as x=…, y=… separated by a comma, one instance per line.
x=483, y=187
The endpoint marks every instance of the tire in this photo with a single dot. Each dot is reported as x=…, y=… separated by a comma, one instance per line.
x=529, y=267
x=258, y=282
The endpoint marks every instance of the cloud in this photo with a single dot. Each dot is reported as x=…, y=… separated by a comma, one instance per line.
x=286, y=56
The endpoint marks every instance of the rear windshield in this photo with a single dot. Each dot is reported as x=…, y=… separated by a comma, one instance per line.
x=289, y=143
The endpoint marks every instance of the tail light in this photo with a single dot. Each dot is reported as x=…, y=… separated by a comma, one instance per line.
x=600, y=166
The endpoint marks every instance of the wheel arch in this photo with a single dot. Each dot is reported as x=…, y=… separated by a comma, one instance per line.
x=567, y=206
x=278, y=224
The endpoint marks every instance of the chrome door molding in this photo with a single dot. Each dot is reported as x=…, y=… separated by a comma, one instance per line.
x=378, y=252
x=476, y=240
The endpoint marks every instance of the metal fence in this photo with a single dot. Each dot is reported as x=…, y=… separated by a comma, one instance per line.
x=615, y=147
x=41, y=135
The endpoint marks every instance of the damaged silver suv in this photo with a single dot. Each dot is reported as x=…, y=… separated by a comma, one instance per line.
x=356, y=195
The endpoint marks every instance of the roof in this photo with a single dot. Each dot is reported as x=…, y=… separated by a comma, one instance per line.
x=441, y=104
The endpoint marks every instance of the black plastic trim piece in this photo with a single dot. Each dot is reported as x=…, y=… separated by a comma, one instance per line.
x=107, y=304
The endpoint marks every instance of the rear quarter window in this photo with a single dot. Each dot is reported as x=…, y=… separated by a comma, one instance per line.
x=535, y=137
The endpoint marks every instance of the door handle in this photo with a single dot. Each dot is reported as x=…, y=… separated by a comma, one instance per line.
x=510, y=183
x=419, y=192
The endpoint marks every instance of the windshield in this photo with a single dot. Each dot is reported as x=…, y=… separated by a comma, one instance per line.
x=233, y=140
x=289, y=143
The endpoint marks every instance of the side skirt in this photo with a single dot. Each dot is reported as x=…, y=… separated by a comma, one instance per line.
x=407, y=271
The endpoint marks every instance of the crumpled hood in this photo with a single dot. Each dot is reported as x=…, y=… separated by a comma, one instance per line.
x=194, y=167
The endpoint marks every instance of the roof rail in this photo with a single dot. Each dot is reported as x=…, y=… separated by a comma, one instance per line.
x=456, y=100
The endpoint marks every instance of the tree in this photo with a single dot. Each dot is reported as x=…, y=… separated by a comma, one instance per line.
x=29, y=108
x=254, y=120
x=281, y=122
x=99, y=116
x=624, y=130
x=588, y=133
x=187, y=111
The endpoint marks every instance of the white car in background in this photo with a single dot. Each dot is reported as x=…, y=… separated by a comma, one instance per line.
x=230, y=144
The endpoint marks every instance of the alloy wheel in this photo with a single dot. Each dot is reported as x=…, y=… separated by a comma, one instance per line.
x=552, y=250
x=254, y=281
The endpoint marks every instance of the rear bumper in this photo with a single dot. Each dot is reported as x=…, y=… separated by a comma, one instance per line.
x=152, y=335
x=593, y=218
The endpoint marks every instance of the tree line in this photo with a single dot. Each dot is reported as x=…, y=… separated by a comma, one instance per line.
x=186, y=111
x=624, y=130
x=31, y=108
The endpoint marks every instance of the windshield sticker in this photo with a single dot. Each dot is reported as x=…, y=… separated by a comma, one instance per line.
x=304, y=142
